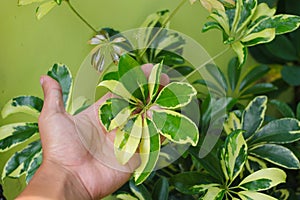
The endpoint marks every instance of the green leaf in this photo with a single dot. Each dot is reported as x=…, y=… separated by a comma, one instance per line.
x=154, y=80
x=176, y=127
x=277, y=155
x=184, y=182
x=26, y=104
x=27, y=2
x=260, y=88
x=241, y=51
x=124, y=196
x=140, y=191
x=255, y=74
x=212, y=87
x=63, y=76
x=251, y=195
x=232, y=123
x=254, y=164
x=118, y=88
x=175, y=95
x=282, y=23
x=111, y=76
x=149, y=149
x=233, y=72
x=218, y=75
x=298, y=111
x=21, y=160
x=263, y=179
x=254, y=38
x=127, y=140
x=211, y=25
x=132, y=77
x=214, y=193
x=253, y=116
x=114, y=113
x=281, y=131
x=233, y=155
x=44, y=9
x=33, y=166
x=13, y=134
x=161, y=189
x=291, y=74
x=283, y=108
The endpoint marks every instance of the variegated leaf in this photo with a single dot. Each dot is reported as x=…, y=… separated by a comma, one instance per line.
x=140, y=191
x=154, y=80
x=264, y=36
x=118, y=88
x=251, y=195
x=254, y=164
x=35, y=163
x=19, y=163
x=176, y=127
x=263, y=179
x=212, y=5
x=276, y=154
x=127, y=140
x=253, y=116
x=214, y=193
x=149, y=149
x=219, y=15
x=233, y=155
x=262, y=12
x=279, y=131
x=13, y=134
x=44, y=9
x=232, y=123
x=175, y=95
x=204, y=187
x=124, y=196
x=114, y=113
x=25, y=104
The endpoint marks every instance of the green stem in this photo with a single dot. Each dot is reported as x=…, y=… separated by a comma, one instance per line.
x=208, y=61
x=163, y=26
x=80, y=17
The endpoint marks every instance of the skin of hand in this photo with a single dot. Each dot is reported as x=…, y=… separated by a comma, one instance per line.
x=69, y=169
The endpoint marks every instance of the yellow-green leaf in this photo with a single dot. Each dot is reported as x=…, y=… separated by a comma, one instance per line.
x=154, y=80
x=44, y=9
x=263, y=179
x=176, y=127
x=213, y=193
x=126, y=197
x=251, y=195
x=241, y=52
x=127, y=140
x=27, y=2
x=262, y=11
x=232, y=123
x=264, y=36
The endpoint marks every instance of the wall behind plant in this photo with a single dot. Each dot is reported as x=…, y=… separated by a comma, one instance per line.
x=30, y=47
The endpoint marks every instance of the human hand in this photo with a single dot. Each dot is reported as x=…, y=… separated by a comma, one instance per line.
x=78, y=154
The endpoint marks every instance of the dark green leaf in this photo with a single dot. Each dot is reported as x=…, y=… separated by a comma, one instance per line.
x=111, y=76
x=260, y=88
x=212, y=87
x=179, y=71
x=291, y=74
x=277, y=155
x=282, y=131
x=184, y=182
x=253, y=116
x=34, y=165
x=211, y=25
x=161, y=189
x=140, y=191
x=255, y=74
x=244, y=11
x=298, y=111
x=233, y=72
x=63, y=76
x=218, y=75
x=283, y=108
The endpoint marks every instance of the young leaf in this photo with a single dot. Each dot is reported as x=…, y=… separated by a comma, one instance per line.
x=276, y=154
x=233, y=155
x=176, y=127
x=175, y=95
x=241, y=51
x=252, y=195
x=26, y=104
x=14, y=134
x=21, y=160
x=161, y=189
x=280, y=131
x=253, y=116
x=232, y=123
x=263, y=179
x=154, y=80
x=128, y=139
x=43, y=9
x=114, y=113
x=149, y=151
x=63, y=76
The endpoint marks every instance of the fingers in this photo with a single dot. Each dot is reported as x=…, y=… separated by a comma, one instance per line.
x=53, y=100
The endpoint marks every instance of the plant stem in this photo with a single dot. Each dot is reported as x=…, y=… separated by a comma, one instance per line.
x=80, y=17
x=163, y=25
x=208, y=61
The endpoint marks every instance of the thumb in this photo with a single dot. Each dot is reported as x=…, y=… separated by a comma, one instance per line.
x=53, y=100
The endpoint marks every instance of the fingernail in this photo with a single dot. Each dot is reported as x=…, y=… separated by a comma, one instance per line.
x=41, y=80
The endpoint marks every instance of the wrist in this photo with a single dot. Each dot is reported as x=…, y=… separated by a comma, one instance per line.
x=52, y=181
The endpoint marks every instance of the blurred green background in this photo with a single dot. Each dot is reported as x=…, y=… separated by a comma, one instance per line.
x=30, y=47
